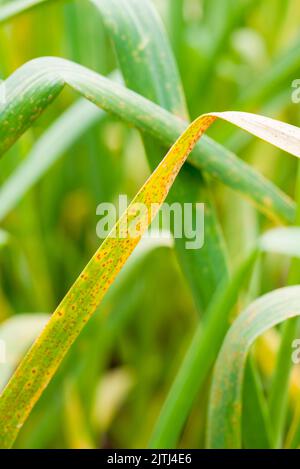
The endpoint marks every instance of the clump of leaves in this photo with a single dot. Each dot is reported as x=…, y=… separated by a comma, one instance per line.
x=153, y=104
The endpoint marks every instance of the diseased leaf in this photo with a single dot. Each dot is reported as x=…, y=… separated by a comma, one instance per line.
x=16, y=335
x=225, y=409
x=232, y=55
x=32, y=87
x=66, y=323
x=147, y=74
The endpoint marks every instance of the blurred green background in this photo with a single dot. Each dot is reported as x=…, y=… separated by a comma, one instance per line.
x=111, y=387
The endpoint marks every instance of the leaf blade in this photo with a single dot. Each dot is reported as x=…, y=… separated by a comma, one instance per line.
x=66, y=323
x=43, y=79
x=224, y=426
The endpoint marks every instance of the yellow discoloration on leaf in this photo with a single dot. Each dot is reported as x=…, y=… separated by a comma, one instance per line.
x=85, y=295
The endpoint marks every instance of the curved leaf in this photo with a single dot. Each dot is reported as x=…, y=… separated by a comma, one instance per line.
x=32, y=87
x=70, y=125
x=225, y=409
x=207, y=340
x=66, y=323
x=144, y=72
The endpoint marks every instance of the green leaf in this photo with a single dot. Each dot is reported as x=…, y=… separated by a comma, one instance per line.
x=139, y=57
x=288, y=241
x=32, y=87
x=208, y=338
x=99, y=339
x=256, y=423
x=4, y=237
x=150, y=76
x=280, y=72
x=83, y=298
x=65, y=131
x=199, y=359
x=225, y=409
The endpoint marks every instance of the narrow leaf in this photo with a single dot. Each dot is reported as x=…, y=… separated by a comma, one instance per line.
x=225, y=409
x=32, y=87
x=43, y=359
x=71, y=125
